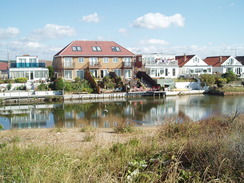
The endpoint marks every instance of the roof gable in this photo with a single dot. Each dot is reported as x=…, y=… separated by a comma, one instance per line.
x=216, y=61
x=183, y=59
x=94, y=48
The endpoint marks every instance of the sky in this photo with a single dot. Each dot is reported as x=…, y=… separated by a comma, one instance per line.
x=202, y=27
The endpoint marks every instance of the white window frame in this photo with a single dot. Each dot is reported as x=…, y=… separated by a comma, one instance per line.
x=105, y=60
x=93, y=61
x=81, y=59
x=80, y=74
x=126, y=71
x=68, y=62
x=115, y=59
x=69, y=75
x=117, y=72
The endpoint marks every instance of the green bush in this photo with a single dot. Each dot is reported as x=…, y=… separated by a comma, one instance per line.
x=42, y=87
x=207, y=79
x=229, y=76
x=20, y=80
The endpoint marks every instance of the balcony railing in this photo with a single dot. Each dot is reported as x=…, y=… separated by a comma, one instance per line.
x=127, y=64
x=94, y=65
x=26, y=65
x=162, y=63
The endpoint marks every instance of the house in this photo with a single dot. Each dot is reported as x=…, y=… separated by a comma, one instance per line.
x=98, y=58
x=192, y=65
x=240, y=59
x=29, y=67
x=3, y=70
x=223, y=64
x=158, y=65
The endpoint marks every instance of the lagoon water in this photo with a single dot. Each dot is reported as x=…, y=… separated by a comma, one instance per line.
x=109, y=113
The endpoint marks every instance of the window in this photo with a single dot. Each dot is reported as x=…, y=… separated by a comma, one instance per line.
x=117, y=72
x=67, y=74
x=127, y=73
x=93, y=61
x=127, y=61
x=115, y=48
x=80, y=74
x=81, y=60
x=105, y=60
x=76, y=48
x=96, y=48
x=115, y=60
x=67, y=62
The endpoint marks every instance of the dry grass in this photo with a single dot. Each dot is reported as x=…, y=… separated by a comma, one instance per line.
x=207, y=151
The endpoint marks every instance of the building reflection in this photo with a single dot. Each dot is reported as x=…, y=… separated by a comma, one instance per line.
x=27, y=116
x=108, y=114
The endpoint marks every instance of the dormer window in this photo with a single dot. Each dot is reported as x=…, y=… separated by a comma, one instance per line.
x=76, y=48
x=115, y=48
x=96, y=48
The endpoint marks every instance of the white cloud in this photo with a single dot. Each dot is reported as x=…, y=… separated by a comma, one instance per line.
x=154, y=42
x=122, y=30
x=9, y=32
x=158, y=20
x=91, y=18
x=52, y=31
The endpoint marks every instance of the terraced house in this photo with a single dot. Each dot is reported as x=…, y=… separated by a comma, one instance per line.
x=97, y=58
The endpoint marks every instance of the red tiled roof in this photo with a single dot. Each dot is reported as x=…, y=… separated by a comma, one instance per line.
x=216, y=61
x=3, y=66
x=86, y=47
x=183, y=59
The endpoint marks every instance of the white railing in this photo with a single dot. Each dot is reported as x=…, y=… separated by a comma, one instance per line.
x=162, y=62
x=26, y=94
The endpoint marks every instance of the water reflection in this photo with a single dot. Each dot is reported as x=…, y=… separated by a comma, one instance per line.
x=104, y=114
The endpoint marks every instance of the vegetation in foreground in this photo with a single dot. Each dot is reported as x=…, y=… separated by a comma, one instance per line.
x=207, y=151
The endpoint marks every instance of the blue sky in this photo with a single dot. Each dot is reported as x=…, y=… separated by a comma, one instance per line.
x=202, y=27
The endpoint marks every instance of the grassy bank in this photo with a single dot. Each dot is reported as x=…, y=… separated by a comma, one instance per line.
x=208, y=151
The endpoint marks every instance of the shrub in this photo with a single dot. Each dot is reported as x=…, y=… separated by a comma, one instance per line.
x=21, y=80
x=229, y=76
x=220, y=82
x=124, y=128
x=42, y=87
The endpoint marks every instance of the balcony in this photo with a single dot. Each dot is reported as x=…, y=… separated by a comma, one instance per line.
x=26, y=65
x=95, y=65
x=162, y=63
x=126, y=65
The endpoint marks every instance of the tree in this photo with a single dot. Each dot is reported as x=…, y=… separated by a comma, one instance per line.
x=51, y=72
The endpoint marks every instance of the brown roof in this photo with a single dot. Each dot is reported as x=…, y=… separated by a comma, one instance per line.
x=216, y=61
x=3, y=66
x=47, y=62
x=240, y=59
x=86, y=47
x=183, y=59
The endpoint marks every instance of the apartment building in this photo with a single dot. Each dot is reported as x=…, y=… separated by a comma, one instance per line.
x=99, y=58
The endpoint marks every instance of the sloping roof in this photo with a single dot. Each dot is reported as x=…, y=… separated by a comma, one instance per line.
x=3, y=66
x=216, y=61
x=86, y=47
x=47, y=62
x=183, y=59
x=240, y=59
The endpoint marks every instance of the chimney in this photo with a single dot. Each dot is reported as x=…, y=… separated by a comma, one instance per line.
x=184, y=57
x=220, y=59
